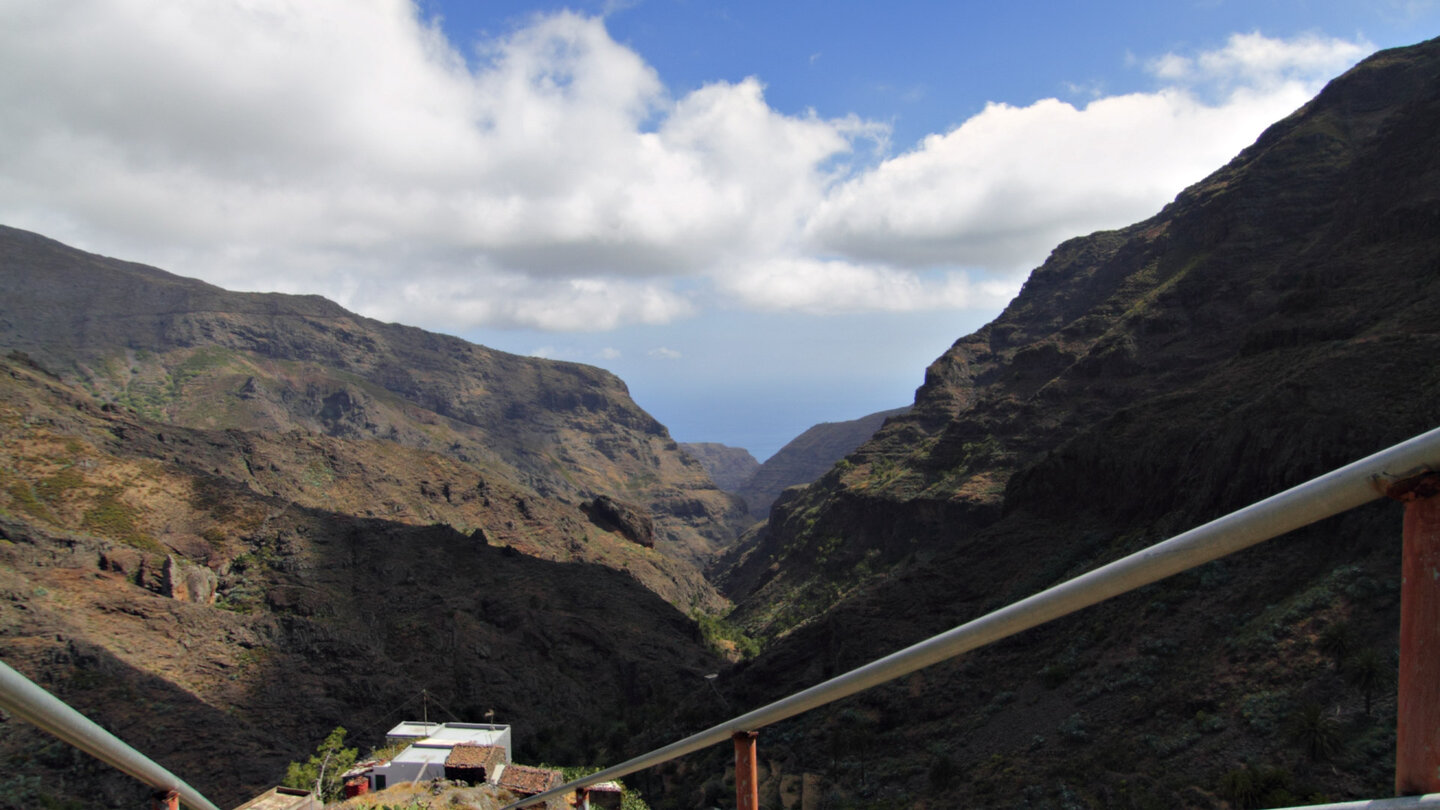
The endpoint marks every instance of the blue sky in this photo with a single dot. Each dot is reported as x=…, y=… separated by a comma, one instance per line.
x=760, y=215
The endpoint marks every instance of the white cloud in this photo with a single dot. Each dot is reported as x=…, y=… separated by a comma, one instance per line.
x=609, y=353
x=664, y=353
x=346, y=148
x=1254, y=60
x=834, y=286
x=1003, y=188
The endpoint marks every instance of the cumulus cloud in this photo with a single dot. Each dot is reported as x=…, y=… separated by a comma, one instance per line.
x=348, y=148
x=1007, y=185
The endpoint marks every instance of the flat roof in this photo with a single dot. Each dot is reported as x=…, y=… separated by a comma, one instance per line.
x=413, y=728
x=462, y=732
x=422, y=754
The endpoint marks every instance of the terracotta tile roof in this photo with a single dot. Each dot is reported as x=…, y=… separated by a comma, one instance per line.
x=528, y=781
x=471, y=755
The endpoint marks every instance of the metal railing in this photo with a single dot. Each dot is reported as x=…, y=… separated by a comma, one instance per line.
x=1335, y=492
x=22, y=698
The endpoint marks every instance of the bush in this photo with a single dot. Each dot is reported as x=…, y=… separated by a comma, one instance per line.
x=322, y=772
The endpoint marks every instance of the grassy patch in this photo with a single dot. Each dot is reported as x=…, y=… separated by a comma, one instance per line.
x=723, y=636
x=22, y=495
x=110, y=517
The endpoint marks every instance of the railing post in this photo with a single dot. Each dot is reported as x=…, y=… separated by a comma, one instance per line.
x=747, y=791
x=1417, y=723
x=165, y=800
x=582, y=798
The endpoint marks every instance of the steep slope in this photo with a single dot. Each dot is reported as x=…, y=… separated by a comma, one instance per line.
x=190, y=354
x=151, y=589
x=807, y=457
x=729, y=467
x=1275, y=321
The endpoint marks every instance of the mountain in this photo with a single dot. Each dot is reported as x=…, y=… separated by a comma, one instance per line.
x=729, y=467
x=807, y=457
x=1275, y=321
x=419, y=423
x=224, y=630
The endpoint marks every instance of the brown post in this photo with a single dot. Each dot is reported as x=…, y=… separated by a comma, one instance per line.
x=582, y=798
x=1417, y=724
x=747, y=789
x=165, y=800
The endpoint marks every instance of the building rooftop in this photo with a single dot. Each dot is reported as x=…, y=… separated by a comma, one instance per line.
x=470, y=755
x=413, y=728
x=452, y=733
x=528, y=781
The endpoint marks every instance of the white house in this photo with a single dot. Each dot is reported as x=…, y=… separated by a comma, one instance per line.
x=424, y=759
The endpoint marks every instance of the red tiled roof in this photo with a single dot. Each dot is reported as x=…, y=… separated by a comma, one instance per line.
x=528, y=781
x=470, y=755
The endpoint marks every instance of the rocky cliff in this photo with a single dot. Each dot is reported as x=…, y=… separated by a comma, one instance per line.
x=1275, y=321
x=806, y=458
x=378, y=397
x=729, y=467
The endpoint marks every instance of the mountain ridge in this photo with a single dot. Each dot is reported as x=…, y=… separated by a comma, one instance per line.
x=1272, y=323
x=187, y=352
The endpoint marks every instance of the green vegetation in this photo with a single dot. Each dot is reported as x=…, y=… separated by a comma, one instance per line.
x=629, y=799
x=1368, y=671
x=23, y=496
x=110, y=517
x=54, y=488
x=721, y=635
x=1316, y=732
x=321, y=773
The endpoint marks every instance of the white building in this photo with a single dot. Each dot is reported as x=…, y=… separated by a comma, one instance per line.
x=424, y=759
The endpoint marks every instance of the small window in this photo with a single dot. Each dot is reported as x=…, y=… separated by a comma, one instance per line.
x=379, y=781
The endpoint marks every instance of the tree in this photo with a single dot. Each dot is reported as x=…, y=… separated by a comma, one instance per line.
x=1337, y=641
x=321, y=773
x=1315, y=732
x=1367, y=671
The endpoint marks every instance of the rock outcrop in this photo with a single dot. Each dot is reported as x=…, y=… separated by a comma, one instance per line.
x=729, y=467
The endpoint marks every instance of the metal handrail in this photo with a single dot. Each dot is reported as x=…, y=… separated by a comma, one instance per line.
x=1335, y=492
x=23, y=698
x=1426, y=802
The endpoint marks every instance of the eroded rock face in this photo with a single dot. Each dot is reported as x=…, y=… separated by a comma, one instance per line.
x=729, y=467
x=188, y=582
x=628, y=519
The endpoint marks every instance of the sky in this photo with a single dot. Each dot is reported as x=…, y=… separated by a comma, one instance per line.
x=760, y=215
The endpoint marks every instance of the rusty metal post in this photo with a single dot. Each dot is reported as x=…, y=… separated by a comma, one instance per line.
x=1417, y=724
x=747, y=788
x=165, y=800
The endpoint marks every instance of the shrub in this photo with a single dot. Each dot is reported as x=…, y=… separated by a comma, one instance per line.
x=322, y=772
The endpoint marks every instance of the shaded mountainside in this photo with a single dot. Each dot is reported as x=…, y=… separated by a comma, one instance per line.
x=183, y=352
x=224, y=630
x=806, y=458
x=1277, y=320
x=729, y=467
